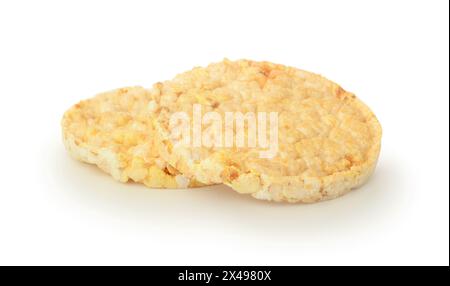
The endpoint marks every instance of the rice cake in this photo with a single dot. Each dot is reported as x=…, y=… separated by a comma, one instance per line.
x=328, y=140
x=113, y=131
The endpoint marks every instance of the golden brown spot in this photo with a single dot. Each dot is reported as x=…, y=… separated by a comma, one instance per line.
x=350, y=159
x=158, y=85
x=340, y=92
x=265, y=70
x=230, y=174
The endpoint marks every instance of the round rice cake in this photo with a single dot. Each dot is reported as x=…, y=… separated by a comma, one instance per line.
x=112, y=130
x=328, y=140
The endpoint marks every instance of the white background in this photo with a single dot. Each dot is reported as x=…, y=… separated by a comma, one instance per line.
x=53, y=210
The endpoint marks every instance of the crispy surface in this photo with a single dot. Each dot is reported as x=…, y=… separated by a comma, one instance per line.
x=113, y=132
x=329, y=140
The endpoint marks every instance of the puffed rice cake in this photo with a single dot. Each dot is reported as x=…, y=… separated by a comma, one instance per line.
x=328, y=140
x=112, y=131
